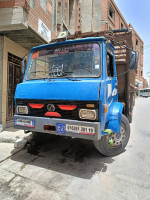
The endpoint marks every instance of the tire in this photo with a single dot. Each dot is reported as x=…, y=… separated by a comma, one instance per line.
x=118, y=146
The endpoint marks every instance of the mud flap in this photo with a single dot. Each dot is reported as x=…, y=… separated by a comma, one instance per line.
x=114, y=117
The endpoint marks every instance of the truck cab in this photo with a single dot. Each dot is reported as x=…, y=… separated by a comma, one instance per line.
x=70, y=88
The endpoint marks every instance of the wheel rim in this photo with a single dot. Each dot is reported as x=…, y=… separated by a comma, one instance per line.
x=118, y=138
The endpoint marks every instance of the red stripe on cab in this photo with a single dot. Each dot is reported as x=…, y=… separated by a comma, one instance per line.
x=52, y=114
x=38, y=106
x=67, y=107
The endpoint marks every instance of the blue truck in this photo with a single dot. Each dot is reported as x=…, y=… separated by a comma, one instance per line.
x=70, y=88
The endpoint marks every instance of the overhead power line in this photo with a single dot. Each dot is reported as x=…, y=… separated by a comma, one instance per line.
x=147, y=59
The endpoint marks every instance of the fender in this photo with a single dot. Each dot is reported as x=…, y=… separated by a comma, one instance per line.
x=114, y=117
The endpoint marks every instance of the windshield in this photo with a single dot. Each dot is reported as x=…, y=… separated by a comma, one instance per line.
x=82, y=60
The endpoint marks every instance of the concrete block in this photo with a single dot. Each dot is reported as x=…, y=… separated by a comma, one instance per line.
x=29, y=137
x=20, y=143
x=15, y=18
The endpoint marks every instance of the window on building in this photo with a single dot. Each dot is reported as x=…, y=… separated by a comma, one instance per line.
x=141, y=73
x=59, y=4
x=32, y=3
x=122, y=26
x=111, y=12
x=58, y=27
x=43, y=4
x=137, y=42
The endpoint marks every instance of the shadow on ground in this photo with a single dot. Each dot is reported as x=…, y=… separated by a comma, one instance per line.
x=75, y=157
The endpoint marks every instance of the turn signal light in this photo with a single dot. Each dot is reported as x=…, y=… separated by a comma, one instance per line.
x=90, y=105
x=105, y=108
x=123, y=103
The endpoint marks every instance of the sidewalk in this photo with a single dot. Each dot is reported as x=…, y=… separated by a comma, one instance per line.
x=10, y=135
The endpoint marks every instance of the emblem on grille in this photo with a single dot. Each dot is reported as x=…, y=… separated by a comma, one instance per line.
x=51, y=107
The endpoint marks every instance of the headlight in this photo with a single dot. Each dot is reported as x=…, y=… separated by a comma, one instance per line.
x=87, y=114
x=22, y=110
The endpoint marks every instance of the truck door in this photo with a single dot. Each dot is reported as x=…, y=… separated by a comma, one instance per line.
x=112, y=91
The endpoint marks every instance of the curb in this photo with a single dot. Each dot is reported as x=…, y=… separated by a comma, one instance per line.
x=8, y=140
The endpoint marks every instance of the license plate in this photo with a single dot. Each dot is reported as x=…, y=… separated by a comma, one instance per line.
x=27, y=123
x=86, y=130
x=60, y=128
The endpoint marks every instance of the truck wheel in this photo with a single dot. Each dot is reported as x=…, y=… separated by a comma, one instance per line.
x=120, y=140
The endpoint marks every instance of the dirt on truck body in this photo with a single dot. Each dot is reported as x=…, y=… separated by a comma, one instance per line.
x=122, y=41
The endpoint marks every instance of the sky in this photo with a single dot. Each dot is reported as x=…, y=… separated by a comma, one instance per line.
x=137, y=12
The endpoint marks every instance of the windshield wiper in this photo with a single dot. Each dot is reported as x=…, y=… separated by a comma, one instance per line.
x=69, y=78
x=38, y=71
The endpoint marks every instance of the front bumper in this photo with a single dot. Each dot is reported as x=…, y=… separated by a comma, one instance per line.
x=38, y=124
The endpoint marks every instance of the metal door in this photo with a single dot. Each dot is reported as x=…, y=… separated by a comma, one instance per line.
x=112, y=94
x=14, y=77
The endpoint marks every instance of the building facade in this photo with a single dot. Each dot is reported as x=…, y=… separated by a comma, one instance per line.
x=138, y=46
x=101, y=15
x=68, y=16
x=145, y=83
x=23, y=24
x=111, y=18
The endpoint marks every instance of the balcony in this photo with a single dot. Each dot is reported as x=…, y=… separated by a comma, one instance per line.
x=13, y=15
x=14, y=23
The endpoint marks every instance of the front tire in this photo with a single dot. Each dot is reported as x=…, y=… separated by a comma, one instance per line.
x=120, y=140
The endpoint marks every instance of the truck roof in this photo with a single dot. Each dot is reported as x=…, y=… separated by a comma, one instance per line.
x=70, y=41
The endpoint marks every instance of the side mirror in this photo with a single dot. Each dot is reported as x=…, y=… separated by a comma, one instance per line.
x=133, y=62
x=23, y=66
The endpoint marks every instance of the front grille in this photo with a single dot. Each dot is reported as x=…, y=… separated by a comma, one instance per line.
x=66, y=114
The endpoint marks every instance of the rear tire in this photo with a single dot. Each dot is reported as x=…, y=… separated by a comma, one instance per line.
x=119, y=144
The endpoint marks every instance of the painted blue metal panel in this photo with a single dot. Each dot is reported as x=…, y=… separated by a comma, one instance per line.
x=114, y=117
x=62, y=89
x=67, y=42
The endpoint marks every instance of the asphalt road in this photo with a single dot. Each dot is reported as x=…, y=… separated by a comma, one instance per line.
x=71, y=169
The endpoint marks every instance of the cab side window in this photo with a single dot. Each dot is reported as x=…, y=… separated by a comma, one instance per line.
x=110, y=65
